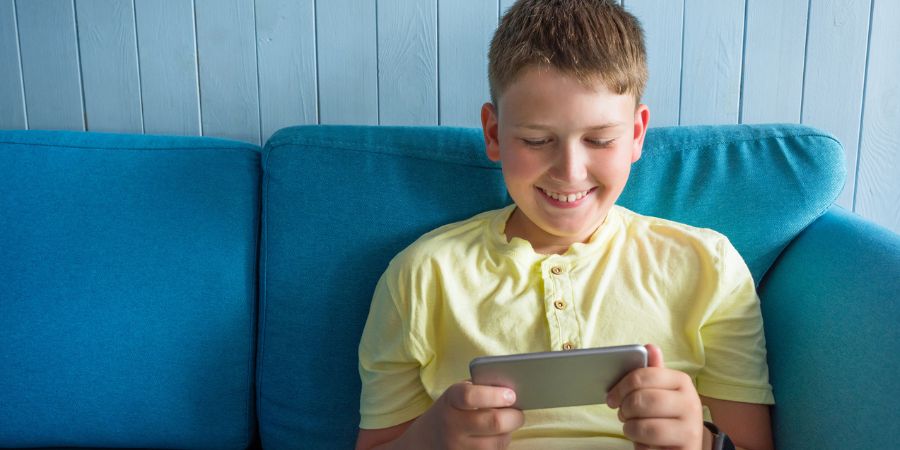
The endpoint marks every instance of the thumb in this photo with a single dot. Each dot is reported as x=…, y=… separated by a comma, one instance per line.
x=654, y=356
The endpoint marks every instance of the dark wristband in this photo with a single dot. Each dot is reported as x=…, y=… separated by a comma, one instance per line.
x=721, y=441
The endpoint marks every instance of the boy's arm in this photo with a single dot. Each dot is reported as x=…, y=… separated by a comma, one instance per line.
x=747, y=424
x=373, y=439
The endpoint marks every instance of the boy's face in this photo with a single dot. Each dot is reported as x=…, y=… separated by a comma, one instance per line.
x=566, y=152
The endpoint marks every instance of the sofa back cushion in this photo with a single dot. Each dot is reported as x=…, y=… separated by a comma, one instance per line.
x=339, y=202
x=127, y=290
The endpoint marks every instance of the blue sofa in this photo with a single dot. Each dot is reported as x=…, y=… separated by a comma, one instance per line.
x=188, y=292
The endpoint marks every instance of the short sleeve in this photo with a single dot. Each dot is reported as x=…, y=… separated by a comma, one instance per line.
x=734, y=343
x=392, y=392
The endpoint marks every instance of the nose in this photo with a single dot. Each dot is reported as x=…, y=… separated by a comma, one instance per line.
x=570, y=163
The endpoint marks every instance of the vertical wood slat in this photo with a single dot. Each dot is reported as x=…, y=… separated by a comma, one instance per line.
x=504, y=5
x=12, y=99
x=878, y=186
x=168, y=67
x=407, y=62
x=106, y=41
x=835, y=71
x=466, y=28
x=662, y=21
x=50, y=66
x=773, y=61
x=711, y=72
x=285, y=39
x=229, y=90
x=348, y=65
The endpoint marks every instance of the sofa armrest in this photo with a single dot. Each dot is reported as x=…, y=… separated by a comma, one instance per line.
x=831, y=306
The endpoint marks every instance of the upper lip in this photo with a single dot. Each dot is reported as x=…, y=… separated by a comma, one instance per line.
x=565, y=192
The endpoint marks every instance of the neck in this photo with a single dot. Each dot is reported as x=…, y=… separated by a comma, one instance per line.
x=518, y=226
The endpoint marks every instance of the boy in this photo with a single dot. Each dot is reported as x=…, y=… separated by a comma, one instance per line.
x=563, y=268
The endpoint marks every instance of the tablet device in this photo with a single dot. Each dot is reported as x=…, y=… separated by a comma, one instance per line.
x=559, y=378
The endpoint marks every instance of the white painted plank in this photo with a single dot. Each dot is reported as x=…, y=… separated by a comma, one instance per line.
x=168, y=67
x=835, y=72
x=407, y=62
x=229, y=89
x=662, y=22
x=109, y=70
x=12, y=97
x=286, y=40
x=464, y=36
x=713, y=46
x=878, y=188
x=773, y=61
x=50, y=67
x=348, y=62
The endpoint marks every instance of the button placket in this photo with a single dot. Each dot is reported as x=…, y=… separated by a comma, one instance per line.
x=561, y=314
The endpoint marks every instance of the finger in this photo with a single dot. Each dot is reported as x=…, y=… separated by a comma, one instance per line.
x=468, y=396
x=656, y=433
x=654, y=356
x=493, y=422
x=652, y=404
x=646, y=378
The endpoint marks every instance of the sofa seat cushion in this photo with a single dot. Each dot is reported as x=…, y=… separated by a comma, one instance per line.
x=127, y=290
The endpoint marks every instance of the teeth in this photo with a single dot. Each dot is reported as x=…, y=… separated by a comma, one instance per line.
x=565, y=198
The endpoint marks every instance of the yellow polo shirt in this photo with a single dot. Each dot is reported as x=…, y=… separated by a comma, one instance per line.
x=463, y=291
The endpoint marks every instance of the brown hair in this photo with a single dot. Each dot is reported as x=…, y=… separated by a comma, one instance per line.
x=592, y=40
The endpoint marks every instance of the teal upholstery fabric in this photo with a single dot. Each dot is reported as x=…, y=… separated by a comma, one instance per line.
x=831, y=312
x=339, y=202
x=127, y=290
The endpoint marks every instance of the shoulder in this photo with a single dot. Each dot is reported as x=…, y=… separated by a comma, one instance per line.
x=446, y=242
x=657, y=229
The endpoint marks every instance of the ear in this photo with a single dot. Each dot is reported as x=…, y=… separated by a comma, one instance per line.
x=489, y=126
x=641, y=120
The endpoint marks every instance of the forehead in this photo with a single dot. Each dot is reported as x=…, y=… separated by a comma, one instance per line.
x=548, y=94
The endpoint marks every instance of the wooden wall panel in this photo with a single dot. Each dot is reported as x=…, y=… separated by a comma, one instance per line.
x=167, y=55
x=286, y=31
x=109, y=65
x=50, y=67
x=835, y=72
x=663, y=23
x=12, y=97
x=348, y=71
x=878, y=188
x=711, y=72
x=464, y=36
x=407, y=62
x=229, y=88
x=773, y=61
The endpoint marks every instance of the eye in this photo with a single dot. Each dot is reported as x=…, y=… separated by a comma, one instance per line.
x=600, y=143
x=535, y=142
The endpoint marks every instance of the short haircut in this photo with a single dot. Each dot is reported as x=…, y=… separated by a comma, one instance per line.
x=596, y=41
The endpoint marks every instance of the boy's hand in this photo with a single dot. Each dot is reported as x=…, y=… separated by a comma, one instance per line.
x=468, y=416
x=659, y=407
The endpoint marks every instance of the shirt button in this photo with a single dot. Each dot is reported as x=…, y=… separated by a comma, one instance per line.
x=559, y=304
x=556, y=270
x=568, y=346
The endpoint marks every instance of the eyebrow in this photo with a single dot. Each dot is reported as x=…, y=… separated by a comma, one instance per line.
x=534, y=126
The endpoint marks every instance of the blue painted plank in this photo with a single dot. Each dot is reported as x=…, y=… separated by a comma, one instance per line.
x=229, y=89
x=711, y=72
x=773, y=61
x=662, y=22
x=109, y=68
x=504, y=5
x=878, y=186
x=464, y=35
x=285, y=38
x=348, y=62
x=50, y=67
x=407, y=62
x=12, y=97
x=168, y=66
x=835, y=71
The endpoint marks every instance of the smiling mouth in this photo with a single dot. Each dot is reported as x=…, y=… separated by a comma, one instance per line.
x=566, y=198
